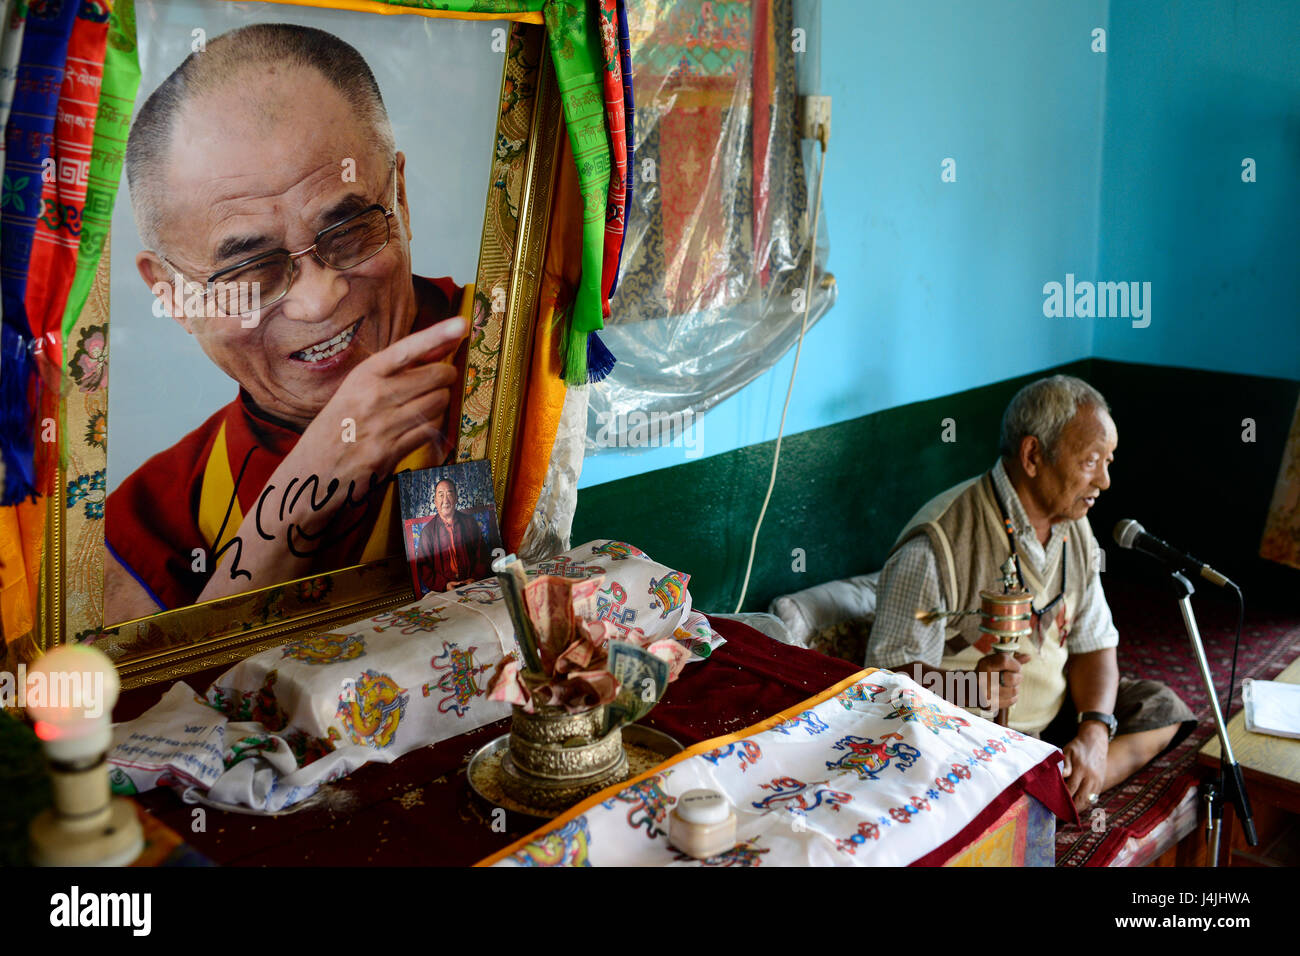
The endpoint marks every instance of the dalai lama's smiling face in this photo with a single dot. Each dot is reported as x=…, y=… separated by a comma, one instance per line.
x=266, y=163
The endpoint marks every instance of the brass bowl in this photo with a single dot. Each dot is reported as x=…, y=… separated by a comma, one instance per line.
x=554, y=725
x=557, y=758
x=556, y=793
x=487, y=774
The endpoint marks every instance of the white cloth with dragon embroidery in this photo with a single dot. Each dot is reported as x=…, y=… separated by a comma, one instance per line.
x=880, y=774
x=279, y=724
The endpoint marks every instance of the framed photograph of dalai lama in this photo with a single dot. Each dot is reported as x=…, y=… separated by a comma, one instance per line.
x=312, y=287
x=449, y=522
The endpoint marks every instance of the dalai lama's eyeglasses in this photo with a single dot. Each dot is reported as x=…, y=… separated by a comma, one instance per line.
x=344, y=245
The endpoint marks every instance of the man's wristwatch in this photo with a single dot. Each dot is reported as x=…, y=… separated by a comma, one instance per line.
x=1109, y=720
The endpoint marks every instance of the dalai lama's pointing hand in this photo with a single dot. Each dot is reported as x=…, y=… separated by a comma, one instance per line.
x=396, y=399
x=273, y=202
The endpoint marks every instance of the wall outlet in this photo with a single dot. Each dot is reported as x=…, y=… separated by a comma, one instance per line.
x=815, y=117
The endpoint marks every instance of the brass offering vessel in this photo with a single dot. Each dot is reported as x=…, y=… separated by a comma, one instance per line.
x=556, y=758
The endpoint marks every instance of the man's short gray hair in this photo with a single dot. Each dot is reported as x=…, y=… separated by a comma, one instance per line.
x=283, y=44
x=1043, y=409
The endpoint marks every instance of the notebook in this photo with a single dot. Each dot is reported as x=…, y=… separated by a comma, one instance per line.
x=1272, y=707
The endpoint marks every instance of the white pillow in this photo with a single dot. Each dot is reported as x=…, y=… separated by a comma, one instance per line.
x=768, y=625
x=827, y=607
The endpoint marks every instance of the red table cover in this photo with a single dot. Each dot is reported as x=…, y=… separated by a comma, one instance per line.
x=419, y=811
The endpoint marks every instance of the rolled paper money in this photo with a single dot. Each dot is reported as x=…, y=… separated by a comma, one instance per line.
x=673, y=653
x=556, y=605
x=583, y=597
x=580, y=654
x=547, y=601
x=576, y=691
x=510, y=572
x=505, y=685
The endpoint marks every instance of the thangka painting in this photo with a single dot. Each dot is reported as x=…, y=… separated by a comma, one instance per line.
x=714, y=131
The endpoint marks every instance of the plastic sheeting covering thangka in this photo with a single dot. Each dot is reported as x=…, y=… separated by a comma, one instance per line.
x=711, y=290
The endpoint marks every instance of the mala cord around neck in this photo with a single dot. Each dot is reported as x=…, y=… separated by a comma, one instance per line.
x=1010, y=529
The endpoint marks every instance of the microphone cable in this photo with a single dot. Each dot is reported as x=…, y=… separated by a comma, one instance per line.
x=1236, y=645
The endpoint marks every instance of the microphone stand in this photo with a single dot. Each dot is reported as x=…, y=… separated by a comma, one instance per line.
x=1230, y=785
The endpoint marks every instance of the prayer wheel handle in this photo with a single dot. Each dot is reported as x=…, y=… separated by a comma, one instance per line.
x=1005, y=616
x=1007, y=649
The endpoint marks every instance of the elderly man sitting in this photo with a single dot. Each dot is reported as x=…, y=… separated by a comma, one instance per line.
x=1057, y=444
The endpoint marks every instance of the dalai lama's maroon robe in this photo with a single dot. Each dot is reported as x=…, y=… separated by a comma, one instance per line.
x=152, y=520
x=455, y=553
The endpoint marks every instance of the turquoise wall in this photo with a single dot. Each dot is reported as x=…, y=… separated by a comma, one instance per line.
x=1115, y=166
x=838, y=504
x=1192, y=90
x=940, y=284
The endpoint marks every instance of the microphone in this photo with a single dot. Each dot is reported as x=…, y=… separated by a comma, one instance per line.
x=1130, y=534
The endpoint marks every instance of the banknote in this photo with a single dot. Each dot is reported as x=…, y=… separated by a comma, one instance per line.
x=555, y=604
x=583, y=597
x=642, y=680
x=510, y=572
x=547, y=600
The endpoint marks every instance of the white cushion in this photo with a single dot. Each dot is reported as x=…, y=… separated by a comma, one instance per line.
x=828, y=607
x=767, y=624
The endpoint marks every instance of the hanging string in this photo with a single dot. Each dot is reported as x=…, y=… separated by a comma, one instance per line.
x=803, y=329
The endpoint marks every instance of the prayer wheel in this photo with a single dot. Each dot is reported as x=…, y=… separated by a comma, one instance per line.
x=1007, y=616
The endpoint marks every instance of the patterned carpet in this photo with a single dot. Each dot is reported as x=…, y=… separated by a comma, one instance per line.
x=1153, y=644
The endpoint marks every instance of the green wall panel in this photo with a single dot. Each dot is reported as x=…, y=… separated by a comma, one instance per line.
x=844, y=491
x=841, y=495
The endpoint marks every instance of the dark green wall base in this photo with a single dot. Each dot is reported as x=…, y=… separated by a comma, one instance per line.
x=843, y=492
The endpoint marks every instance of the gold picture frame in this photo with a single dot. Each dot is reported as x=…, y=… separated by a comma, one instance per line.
x=170, y=644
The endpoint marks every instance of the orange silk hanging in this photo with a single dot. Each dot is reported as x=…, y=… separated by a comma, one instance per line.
x=22, y=527
x=544, y=397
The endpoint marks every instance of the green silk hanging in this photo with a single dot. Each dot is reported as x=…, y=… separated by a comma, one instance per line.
x=108, y=151
x=573, y=34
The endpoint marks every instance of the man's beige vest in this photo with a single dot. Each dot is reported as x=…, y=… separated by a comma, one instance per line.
x=970, y=544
